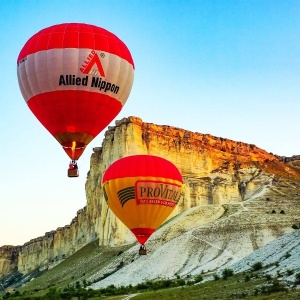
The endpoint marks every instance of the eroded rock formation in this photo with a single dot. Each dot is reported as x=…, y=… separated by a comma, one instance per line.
x=216, y=171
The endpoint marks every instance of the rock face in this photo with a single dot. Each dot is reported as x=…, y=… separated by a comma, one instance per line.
x=8, y=259
x=216, y=171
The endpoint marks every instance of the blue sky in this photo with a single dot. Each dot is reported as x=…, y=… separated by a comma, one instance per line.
x=227, y=68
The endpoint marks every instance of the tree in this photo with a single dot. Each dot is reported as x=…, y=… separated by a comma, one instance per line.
x=227, y=273
x=53, y=294
x=257, y=266
x=297, y=276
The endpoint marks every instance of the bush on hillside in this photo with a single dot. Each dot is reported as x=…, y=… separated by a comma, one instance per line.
x=257, y=266
x=227, y=273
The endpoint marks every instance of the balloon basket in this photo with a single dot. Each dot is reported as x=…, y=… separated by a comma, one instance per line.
x=73, y=173
x=142, y=252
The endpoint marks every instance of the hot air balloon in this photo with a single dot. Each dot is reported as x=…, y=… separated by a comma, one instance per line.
x=142, y=191
x=75, y=78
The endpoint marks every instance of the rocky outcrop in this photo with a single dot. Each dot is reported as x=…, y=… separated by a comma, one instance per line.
x=216, y=171
x=8, y=259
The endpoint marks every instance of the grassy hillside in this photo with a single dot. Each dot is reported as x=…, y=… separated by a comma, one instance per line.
x=76, y=268
x=235, y=287
x=241, y=286
x=68, y=280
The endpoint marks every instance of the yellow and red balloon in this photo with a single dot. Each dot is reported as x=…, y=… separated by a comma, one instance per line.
x=142, y=191
x=75, y=79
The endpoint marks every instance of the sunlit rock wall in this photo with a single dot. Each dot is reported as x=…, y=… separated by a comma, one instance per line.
x=215, y=171
x=8, y=259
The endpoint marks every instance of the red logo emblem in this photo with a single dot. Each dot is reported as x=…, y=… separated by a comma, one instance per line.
x=91, y=60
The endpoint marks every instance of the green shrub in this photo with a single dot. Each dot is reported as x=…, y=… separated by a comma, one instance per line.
x=289, y=272
x=166, y=283
x=142, y=286
x=274, y=287
x=198, y=278
x=257, y=266
x=297, y=277
x=247, y=278
x=180, y=282
x=227, y=273
x=268, y=277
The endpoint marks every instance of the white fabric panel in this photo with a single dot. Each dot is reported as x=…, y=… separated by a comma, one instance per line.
x=40, y=72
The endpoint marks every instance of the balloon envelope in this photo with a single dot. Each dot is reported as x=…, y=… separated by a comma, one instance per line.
x=142, y=191
x=75, y=78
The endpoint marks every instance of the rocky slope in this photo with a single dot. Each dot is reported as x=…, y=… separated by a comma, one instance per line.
x=207, y=239
x=230, y=191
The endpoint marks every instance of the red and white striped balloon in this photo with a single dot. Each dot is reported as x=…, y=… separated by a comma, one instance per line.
x=75, y=79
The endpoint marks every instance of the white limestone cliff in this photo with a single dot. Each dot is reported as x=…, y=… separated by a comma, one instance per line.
x=216, y=171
